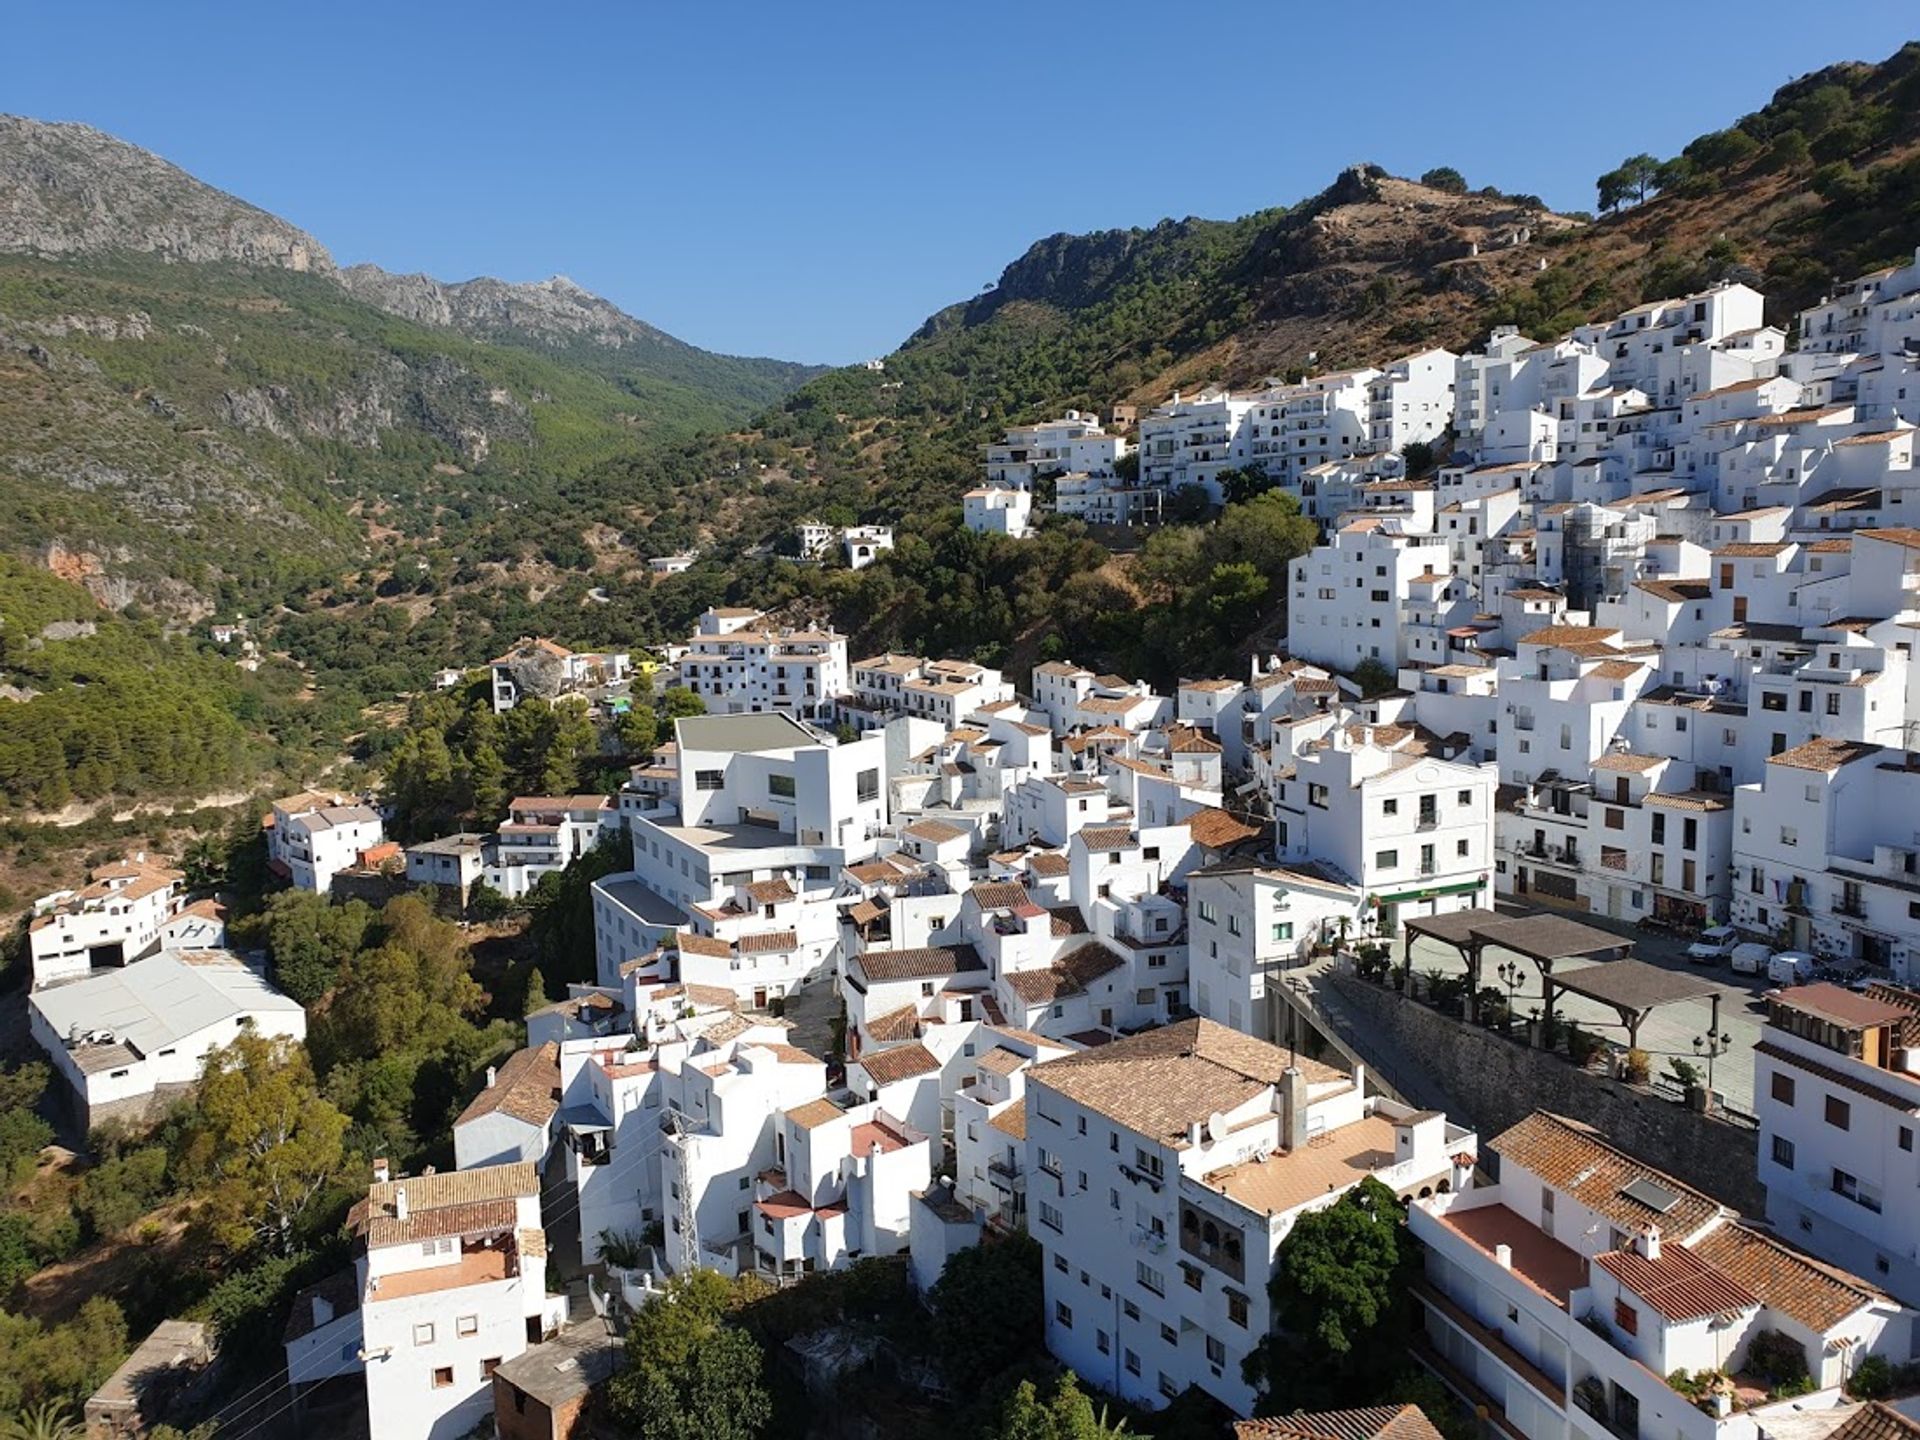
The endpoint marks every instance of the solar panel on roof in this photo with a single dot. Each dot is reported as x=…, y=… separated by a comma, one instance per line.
x=1650, y=1193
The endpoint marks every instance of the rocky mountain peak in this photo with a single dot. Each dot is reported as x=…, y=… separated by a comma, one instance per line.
x=68, y=189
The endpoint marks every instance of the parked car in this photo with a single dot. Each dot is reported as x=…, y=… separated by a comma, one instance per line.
x=1750, y=958
x=1714, y=945
x=1791, y=967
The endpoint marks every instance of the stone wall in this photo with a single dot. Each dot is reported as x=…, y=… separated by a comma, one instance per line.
x=1491, y=1083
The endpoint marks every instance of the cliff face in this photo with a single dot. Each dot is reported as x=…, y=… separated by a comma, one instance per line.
x=555, y=311
x=72, y=190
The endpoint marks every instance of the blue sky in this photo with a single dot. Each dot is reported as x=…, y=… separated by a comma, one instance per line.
x=812, y=180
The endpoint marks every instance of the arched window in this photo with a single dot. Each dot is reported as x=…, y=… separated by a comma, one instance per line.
x=1210, y=1233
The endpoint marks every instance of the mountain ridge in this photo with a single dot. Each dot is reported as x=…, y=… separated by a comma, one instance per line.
x=69, y=189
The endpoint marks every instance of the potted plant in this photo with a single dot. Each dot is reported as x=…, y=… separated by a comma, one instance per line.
x=1687, y=1074
x=1636, y=1067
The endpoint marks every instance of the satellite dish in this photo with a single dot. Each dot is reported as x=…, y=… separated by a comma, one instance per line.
x=1216, y=1126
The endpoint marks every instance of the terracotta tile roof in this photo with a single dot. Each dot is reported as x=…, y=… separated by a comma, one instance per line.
x=1678, y=1285
x=901, y=1062
x=1697, y=800
x=901, y=1024
x=1012, y=1120
x=769, y=942
x=1750, y=550
x=1000, y=1061
x=1067, y=920
x=692, y=943
x=1875, y=1421
x=1160, y=1082
x=1799, y=1287
x=527, y=1087
x=770, y=892
x=999, y=895
x=1047, y=864
x=1378, y=1422
x=1106, y=837
x=1824, y=753
x=1217, y=829
x=815, y=1113
x=1577, y=1159
x=1904, y=536
x=1629, y=764
x=935, y=832
x=1840, y=1006
x=1617, y=669
x=1569, y=635
x=922, y=964
x=865, y=913
x=712, y=996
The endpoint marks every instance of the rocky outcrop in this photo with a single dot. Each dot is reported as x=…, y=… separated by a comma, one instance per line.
x=71, y=190
x=553, y=312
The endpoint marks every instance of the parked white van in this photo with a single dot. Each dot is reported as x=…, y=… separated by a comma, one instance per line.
x=1750, y=958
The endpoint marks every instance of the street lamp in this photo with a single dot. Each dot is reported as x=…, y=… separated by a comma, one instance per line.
x=1712, y=1046
x=1510, y=972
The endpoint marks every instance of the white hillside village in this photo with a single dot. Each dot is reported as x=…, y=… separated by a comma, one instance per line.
x=1554, y=884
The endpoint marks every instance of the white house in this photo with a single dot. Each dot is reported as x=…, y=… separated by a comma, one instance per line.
x=1162, y=1173
x=512, y=1118
x=130, y=1041
x=311, y=838
x=451, y=1276
x=739, y=662
x=117, y=917
x=1838, y=1103
x=1567, y=1298
x=997, y=510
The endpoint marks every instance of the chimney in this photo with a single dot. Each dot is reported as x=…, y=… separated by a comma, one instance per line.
x=1293, y=1108
x=382, y=1172
x=1503, y=1256
x=400, y=1203
x=492, y=1075
x=1649, y=1242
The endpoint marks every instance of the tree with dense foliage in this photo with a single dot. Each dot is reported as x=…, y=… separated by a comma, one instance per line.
x=691, y=1372
x=1374, y=677
x=1339, y=1293
x=1445, y=177
x=1634, y=179
x=261, y=1147
x=23, y=1134
x=59, y=1364
x=1065, y=1414
x=988, y=1307
x=309, y=939
x=561, y=904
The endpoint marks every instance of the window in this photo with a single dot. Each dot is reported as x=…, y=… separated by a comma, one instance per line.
x=1133, y=1363
x=1151, y=1164
x=1782, y=1088
x=1849, y=1187
x=1237, y=1308
x=1192, y=1276
x=1149, y=1277
x=442, y=1376
x=1626, y=1318
x=1783, y=1152
x=1906, y=1138
x=1206, y=912
x=1050, y=1218
x=1390, y=807
x=423, y=1334
x=708, y=779
x=867, y=786
x=780, y=786
x=467, y=1325
x=1386, y=859
x=1102, y=1342
x=1283, y=930
x=489, y=1365
x=1465, y=797
x=1060, y=1263
x=1129, y=1309
x=1063, y=1314
x=1839, y=1113
x=1216, y=1352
